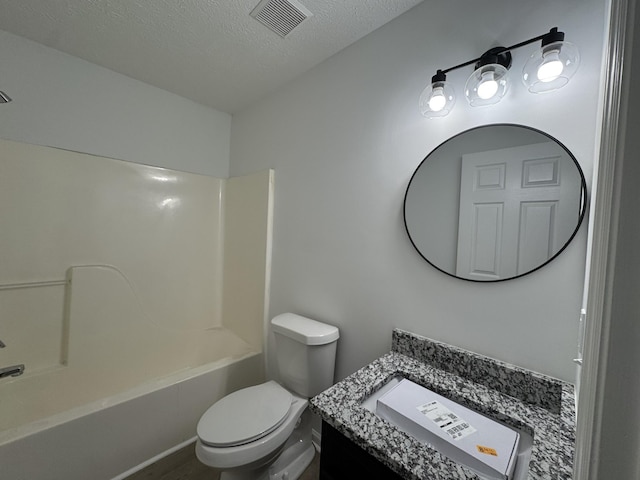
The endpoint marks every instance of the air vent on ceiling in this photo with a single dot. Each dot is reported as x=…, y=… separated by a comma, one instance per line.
x=281, y=16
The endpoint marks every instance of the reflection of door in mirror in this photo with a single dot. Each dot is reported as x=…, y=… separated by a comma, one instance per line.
x=517, y=210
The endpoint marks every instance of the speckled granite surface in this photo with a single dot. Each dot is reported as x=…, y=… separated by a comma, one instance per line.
x=539, y=405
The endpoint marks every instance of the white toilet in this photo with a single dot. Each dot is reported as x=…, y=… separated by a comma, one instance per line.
x=264, y=432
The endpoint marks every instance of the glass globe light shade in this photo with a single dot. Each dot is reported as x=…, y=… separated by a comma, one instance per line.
x=486, y=85
x=551, y=67
x=437, y=100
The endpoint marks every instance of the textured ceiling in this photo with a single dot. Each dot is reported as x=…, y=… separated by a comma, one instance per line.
x=210, y=51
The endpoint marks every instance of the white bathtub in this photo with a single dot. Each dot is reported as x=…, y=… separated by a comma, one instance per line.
x=127, y=389
x=112, y=435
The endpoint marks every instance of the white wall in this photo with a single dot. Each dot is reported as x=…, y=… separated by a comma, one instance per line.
x=65, y=102
x=344, y=140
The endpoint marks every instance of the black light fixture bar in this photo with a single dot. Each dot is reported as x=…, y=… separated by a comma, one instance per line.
x=547, y=69
x=553, y=35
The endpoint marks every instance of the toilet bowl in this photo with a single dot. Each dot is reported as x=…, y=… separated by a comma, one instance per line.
x=264, y=415
x=263, y=432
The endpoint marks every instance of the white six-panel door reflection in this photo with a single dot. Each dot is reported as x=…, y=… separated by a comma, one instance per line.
x=518, y=207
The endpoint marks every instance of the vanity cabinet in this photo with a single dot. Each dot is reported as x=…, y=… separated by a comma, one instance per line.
x=341, y=459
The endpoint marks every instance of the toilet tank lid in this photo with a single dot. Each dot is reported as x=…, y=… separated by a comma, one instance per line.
x=304, y=330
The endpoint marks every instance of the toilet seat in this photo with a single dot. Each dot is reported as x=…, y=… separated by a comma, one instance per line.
x=245, y=415
x=258, y=451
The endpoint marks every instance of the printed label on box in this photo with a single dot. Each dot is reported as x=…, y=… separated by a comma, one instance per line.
x=448, y=421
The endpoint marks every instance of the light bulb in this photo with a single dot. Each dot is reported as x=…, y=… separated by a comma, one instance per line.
x=551, y=67
x=437, y=100
x=488, y=86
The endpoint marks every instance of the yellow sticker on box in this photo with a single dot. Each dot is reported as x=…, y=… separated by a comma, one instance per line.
x=487, y=450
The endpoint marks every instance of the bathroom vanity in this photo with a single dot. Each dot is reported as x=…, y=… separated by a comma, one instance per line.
x=357, y=443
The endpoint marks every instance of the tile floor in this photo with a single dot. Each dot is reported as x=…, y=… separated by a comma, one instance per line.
x=183, y=465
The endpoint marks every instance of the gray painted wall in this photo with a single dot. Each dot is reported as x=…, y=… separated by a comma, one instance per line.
x=344, y=140
x=65, y=102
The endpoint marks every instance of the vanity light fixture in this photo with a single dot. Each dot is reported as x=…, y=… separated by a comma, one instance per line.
x=549, y=68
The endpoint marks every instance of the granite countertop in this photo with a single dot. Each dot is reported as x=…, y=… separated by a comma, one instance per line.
x=541, y=406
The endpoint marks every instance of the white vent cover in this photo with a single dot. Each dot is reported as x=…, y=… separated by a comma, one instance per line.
x=280, y=16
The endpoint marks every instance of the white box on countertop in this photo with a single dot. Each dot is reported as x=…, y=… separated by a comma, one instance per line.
x=464, y=436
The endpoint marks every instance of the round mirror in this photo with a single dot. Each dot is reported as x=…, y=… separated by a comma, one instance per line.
x=495, y=203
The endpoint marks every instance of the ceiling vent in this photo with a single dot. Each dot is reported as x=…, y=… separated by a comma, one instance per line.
x=281, y=16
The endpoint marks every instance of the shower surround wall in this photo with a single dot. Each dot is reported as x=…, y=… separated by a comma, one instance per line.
x=113, y=281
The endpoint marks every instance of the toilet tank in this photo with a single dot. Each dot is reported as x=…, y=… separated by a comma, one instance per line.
x=305, y=352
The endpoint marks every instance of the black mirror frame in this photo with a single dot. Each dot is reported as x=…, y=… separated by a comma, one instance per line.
x=583, y=202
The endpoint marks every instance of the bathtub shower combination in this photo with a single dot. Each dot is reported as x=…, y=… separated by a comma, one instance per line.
x=131, y=298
